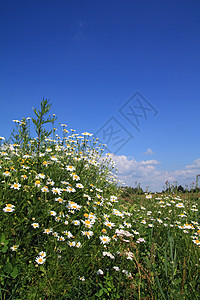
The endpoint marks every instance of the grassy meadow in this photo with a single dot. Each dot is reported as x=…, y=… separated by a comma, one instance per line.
x=66, y=232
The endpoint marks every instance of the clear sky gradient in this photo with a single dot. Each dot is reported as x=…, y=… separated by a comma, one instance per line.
x=90, y=57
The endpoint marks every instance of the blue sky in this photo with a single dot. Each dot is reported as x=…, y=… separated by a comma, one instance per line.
x=90, y=57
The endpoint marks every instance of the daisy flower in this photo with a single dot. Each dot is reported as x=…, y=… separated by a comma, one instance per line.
x=24, y=177
x=61, y=239
x=71, y=244
x=8, y=209
x=99, y=272
x=52, y=213
x=75, y=177
x=88, y=223
x=6, y=174
x=109, y=224
x=197, y=242
x=53, y=158
x=87, y=233
x=45, y=189
x=70, y=168
x=14, y=247
x=42, y=253
x=35, y=225
x=60, y=200
x=40, y=260
x=68, y=234
x=70, y=190
x=56, y=191
x=47, y=231
x=79, y=185
x=41, y=175
x=10, y=205
x=15, y=186
x=37, y=183
x=104, y=239
x=76, y=222
x=78, y=245
x=82, y=278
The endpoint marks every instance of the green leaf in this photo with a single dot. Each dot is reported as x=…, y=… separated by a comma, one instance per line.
x=15, y=272
x=99, y=294
x=8, y=267
x=4, y=249
x=3, y=238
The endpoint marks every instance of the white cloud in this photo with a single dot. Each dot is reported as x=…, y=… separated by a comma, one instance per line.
x=145, y=173
x=149, y=151
x=195, y=165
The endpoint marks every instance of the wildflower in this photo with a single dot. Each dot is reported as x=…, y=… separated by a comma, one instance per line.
x=60, y=200
x=56, y=191
x=68, y=234
x=88, y=223
x=54, y=158
x=82, y=278
x=78, y=245
x=143, y=222
x=47, y=231
x=140, y=240
x=73, y=205
x=99, y=272
x=70, y=190
x=24, y=177
x=37, y=183
x=75, y=177
x=117, y=213
x=8, y=209
x=70, y=168
x=76, y=222
x=51, y=182
x=45, y=163
x=104, y=239
x=71, y=244
x=159, y=220
x=105, y=253
x=123, y=233
x=10, y=205
x=15, y=186
x=53, y=213
x=55, y=234
x=14, y=247
x=87, y=133
x=148, y=196
x=79, y=185
x=109, y=224
x=61, y=238
x=41, y=176
x=128, y=225
x=42, y=253
x=6, y=174
x=197, y=242
x=151, y=225
x=87, y=233
x=135, y=231
x=40, y=260
x=116, y=268
x=35, y=225
x=45, y=189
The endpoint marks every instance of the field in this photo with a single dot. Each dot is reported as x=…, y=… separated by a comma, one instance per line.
x=66, y=232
